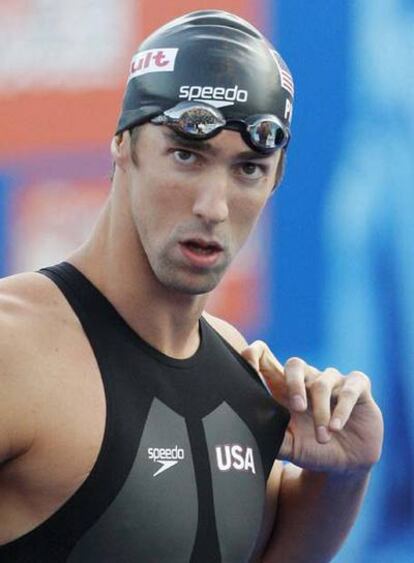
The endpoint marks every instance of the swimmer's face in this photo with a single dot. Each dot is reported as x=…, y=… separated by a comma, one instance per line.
x=194, y=203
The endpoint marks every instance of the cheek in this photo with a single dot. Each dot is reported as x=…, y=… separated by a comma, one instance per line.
x=245, y=213
x=160, y=202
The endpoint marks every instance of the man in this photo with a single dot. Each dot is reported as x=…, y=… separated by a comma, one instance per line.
x=132, y=429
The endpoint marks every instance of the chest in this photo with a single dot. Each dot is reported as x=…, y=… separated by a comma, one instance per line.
x=184, y=462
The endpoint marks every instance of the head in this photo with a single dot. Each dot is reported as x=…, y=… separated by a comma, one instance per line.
x=205, y=122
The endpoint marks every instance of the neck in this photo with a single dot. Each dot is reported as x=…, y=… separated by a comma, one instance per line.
x=114, y=261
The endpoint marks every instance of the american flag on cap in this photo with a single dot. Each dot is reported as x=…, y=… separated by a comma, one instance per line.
x=286, y=80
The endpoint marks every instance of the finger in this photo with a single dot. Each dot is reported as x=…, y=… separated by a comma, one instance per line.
x=259, y=355
x=320, y=392
x=269, y=368
x=356, y=387
x=295, y=373
x=253, y=353
x=311, y=373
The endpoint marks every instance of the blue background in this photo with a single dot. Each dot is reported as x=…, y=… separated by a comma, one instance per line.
x=342, y=260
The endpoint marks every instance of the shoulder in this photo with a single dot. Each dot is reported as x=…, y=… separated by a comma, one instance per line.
x=30, y=301
x=33, y=316
x=227, y=331
x=19, y=302
x=23, y=289
x=27, y=302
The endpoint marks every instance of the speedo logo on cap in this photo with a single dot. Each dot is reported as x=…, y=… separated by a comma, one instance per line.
x=153, y=60
x=218, y=97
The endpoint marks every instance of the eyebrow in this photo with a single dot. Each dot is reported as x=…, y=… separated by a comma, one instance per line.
x=207, y=147
x=200, y=145
x=253, y=155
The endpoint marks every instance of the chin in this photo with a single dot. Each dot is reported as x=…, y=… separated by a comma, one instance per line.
x=196, y=288
x=185, y=280
x=191, y=284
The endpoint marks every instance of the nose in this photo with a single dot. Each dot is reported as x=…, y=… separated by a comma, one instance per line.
x=211, y=201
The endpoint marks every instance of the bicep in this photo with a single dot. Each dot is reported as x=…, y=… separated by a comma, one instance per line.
x=20, y=398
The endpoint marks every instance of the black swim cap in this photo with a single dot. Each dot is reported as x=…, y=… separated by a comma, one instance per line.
x=207, y=56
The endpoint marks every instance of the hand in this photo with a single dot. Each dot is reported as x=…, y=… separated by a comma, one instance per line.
x=335, y=423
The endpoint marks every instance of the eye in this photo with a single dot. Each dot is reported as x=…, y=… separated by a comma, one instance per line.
x=251, y=170
x=184, y=157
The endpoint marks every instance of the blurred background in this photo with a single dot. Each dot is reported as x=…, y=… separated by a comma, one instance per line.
x=329, y=274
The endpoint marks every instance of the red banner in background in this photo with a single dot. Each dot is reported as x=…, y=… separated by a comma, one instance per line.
x=66, y=64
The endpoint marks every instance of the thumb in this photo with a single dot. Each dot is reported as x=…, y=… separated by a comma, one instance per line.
x=261, y=358
x=251, y=355
x=255, y=354
x=259, y=355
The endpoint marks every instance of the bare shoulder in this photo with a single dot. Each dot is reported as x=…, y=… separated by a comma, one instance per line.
x=29, y=304
x=29, y=313
x=27, y=290
x=19, y=302
x=227, y=331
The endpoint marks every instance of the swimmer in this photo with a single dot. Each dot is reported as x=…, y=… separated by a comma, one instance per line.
x=134, y=426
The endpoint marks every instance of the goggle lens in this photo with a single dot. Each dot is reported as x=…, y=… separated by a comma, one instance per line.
x=267, y=134
x=198, y=121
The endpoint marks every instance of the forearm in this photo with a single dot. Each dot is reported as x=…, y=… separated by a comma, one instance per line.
x=315, y=513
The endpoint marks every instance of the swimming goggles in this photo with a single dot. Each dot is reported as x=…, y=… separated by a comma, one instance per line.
x=264, y=133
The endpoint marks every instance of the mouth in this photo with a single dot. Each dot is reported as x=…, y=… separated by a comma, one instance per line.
x=203, y=247
x=200, y=252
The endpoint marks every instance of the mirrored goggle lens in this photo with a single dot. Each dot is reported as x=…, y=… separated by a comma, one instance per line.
x=196, y=121
x=268, y=134
x=265, y=133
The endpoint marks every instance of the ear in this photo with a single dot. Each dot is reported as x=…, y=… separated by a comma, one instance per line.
x=120, y=149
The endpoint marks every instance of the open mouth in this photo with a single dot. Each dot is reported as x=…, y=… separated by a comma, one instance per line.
x=201, y=247
x=201, y=253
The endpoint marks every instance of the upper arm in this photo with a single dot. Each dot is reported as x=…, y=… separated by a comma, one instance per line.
x=16, y=393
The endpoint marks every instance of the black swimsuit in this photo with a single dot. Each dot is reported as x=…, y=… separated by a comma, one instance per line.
x=187, y=450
